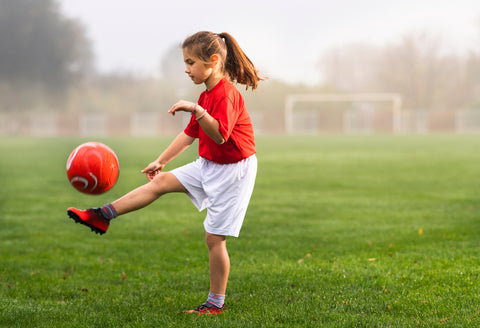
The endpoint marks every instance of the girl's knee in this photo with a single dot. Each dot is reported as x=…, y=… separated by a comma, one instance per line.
x=159, y=178
x=214, y=240
x=160, y=183
x=165, y=182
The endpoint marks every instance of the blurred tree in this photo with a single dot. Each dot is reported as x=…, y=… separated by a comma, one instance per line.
x=42, y=53
x=418, y=67
x=172, y=71
x=350, y=67
x=472, y=70
x=123, y=93
x=422, y=71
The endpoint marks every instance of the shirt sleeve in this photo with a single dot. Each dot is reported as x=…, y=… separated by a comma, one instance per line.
x=192, y=129
x=227, y=115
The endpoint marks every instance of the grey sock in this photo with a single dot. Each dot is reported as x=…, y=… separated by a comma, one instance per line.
x=216, y=299
x=109, y=212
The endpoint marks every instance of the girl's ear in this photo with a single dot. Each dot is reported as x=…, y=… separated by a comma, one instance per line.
x=213, y=60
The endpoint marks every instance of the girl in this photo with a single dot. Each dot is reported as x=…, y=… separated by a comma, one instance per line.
x=223, y=177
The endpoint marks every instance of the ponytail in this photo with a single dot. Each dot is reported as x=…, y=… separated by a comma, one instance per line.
x=235, y=63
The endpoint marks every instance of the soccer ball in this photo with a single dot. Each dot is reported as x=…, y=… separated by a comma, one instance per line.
x=92, y=168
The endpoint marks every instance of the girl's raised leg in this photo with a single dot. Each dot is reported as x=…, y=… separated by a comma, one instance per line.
x=163, y=183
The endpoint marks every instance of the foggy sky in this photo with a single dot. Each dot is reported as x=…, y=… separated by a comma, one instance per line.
x=283, y=39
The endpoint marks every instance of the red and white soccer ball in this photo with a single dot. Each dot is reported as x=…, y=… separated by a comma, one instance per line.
x=92, y=168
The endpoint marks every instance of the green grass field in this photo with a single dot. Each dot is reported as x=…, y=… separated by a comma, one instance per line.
x=342, y=231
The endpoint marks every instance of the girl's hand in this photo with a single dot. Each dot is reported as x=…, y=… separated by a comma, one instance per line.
x=153, y=169
x=182, y=106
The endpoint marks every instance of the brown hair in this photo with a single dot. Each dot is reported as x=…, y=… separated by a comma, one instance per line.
x=235, y=64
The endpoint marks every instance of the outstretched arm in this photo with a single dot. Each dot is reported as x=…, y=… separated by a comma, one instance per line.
x=209, y=124
x=178, y=145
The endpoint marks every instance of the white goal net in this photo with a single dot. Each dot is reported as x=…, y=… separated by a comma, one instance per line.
x=345, y=113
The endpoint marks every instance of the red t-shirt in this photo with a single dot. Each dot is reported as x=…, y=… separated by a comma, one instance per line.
x=224, y=103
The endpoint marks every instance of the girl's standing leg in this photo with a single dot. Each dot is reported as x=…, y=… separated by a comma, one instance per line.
x=219, y=263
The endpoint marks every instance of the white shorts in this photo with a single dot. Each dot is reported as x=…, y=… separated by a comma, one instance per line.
x=223, y=189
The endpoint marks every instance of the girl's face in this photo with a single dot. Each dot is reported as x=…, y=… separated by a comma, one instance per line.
x=196, y=69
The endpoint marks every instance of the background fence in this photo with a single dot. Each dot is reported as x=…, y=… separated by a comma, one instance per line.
x=303, y=122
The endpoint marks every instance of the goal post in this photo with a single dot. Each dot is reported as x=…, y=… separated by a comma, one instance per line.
x=394, y=98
